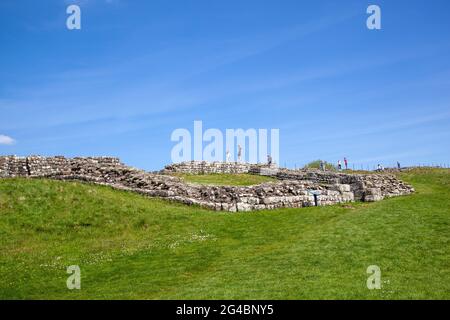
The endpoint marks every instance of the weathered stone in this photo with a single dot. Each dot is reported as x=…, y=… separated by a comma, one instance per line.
x=243, y=207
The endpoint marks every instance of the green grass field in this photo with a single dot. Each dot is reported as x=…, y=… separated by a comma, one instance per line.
x=225, y=179
x=132, y=247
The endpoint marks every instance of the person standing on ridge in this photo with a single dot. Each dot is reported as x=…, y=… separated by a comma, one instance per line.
x=239, y=152
x=339, y=165
x=346, y=163
x=322, y=165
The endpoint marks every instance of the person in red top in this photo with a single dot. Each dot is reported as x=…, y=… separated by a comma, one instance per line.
x=346, y=163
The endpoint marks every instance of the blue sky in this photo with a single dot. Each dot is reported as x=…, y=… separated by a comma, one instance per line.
x=137, y=70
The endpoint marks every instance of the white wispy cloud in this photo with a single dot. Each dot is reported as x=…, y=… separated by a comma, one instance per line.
x=5, y=140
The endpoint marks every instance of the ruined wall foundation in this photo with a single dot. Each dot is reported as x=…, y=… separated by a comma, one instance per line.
x=294, y=188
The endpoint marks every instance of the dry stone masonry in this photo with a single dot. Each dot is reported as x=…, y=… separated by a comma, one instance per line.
x=203, y=167
x=295, y=188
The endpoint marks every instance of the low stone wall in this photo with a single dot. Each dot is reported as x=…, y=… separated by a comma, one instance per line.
x=366, y=187
x=295, y=189
x=204, y=167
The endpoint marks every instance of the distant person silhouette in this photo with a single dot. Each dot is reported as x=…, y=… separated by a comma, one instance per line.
x=239, y=152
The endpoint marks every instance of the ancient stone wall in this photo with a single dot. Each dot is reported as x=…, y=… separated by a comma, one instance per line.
x=295, y=188
x=365, y=187
x=36, y=166
x=204, y=167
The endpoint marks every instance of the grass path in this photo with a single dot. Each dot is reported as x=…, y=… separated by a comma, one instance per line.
x=226, y=179
x=129, y=246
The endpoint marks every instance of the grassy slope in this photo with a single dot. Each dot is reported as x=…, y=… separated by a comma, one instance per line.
x=129, y=246
x=225, y=179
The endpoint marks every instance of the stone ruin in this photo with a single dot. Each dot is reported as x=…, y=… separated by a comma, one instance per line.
x=294, y=188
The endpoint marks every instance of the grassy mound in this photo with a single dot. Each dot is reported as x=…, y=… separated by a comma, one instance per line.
x=316, y=165
x=225, y=179
x=129, y=246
